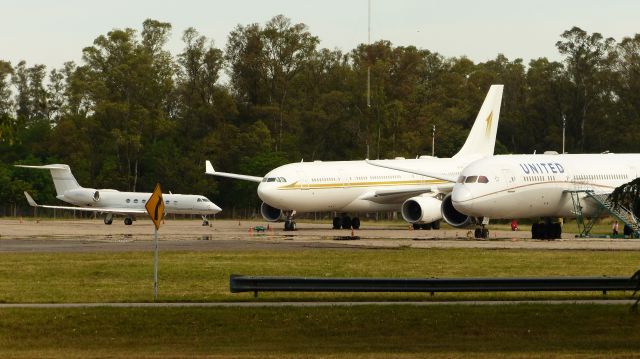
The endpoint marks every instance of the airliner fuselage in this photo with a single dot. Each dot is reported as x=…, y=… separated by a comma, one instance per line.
x=529, y=186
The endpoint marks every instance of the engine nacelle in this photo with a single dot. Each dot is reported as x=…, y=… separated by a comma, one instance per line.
x=421, y=210
x=271, y=214
x=452, y=216
x=83, y=195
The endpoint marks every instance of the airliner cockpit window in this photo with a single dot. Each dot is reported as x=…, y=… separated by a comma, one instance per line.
x=282, y=179
x=483, y=179
x=461, y=179
x=271, y=179
x=471, y=179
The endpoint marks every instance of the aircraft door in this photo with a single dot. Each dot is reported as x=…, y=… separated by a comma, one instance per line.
x=303, y=180
x=509, y=178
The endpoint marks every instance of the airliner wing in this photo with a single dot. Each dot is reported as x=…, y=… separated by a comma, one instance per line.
x=114, y=210
x=414, y=171
x=210, y=171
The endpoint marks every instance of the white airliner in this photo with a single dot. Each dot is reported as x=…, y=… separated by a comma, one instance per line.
x=110, y=201
x=355, y=186
x=547, y=186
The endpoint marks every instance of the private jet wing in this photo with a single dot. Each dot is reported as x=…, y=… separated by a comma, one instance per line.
x=210, y=171
x=115, y=210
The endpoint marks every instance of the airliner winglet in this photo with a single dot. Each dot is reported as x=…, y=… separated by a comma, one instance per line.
x=32, y=203
x=210, y=171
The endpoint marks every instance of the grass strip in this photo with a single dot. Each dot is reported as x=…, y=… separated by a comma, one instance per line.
x=350, y=332
x=204, y=276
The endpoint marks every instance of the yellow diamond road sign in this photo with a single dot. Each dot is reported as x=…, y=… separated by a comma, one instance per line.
x=155, y=206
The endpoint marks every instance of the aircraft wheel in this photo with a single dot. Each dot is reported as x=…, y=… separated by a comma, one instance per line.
x=534, y=231
x=416, y=226
x=355, y=223
x=346, y=222
x=128, y=221
x=425, y=226
x=557, y=230
x=108, y=220
x=336, y=223
x=435, y=225
x=205, y=223
x=477, y=233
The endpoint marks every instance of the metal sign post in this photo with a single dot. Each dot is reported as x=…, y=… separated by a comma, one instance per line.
x=155, y=208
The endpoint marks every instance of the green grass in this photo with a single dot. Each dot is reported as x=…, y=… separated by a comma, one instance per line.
x=351, y=332
x=204, y=276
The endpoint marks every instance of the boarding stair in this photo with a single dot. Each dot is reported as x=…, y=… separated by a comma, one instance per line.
x=604, y=203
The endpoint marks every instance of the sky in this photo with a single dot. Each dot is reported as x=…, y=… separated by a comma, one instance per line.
x=53, y=32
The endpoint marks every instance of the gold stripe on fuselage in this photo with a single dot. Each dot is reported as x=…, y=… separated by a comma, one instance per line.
x=296, y=185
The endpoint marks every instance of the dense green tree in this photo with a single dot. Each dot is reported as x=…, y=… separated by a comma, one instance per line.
x=131, y=114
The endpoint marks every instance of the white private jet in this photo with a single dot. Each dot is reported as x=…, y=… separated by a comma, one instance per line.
x=546, y=186
x=355, y=186
x=110, y=201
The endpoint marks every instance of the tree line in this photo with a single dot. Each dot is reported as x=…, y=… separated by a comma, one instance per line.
x=133, y=114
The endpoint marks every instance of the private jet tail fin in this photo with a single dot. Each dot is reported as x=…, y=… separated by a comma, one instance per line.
x=208, y=169
x=482, y=137
x=63, y=179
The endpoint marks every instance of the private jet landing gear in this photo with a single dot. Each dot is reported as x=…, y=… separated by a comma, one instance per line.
x=546, y=230
x=128, y=221
x=346, y=222
x=289, y=223
x=108, y=219
x=205, y=221
x=482, y=232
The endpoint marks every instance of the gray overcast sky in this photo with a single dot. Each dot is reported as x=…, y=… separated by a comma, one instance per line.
x=52, y=32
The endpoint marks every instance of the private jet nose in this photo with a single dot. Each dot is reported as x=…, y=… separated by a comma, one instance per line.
x=462, y=198
x=214, y=208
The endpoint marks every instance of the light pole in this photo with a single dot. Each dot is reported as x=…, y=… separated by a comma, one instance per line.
x=433, y=141
x=564, y=125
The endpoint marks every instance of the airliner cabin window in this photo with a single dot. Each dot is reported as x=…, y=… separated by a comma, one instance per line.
x=135, y=201
x=128, y=200
x=471, y=179
x=483, y=179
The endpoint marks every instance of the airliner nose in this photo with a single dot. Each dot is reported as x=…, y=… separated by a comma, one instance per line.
x=265, y=192
x=462, y=198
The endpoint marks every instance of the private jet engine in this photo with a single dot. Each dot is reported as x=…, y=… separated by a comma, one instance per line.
x=271, y=214
x=421, y=210
x=452, y=216
x=84, y=195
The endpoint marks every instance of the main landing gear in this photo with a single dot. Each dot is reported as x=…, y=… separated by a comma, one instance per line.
x=108, y=219
x=346, y=222
x=546, y=230
x=289, y=223
x=432, y=225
